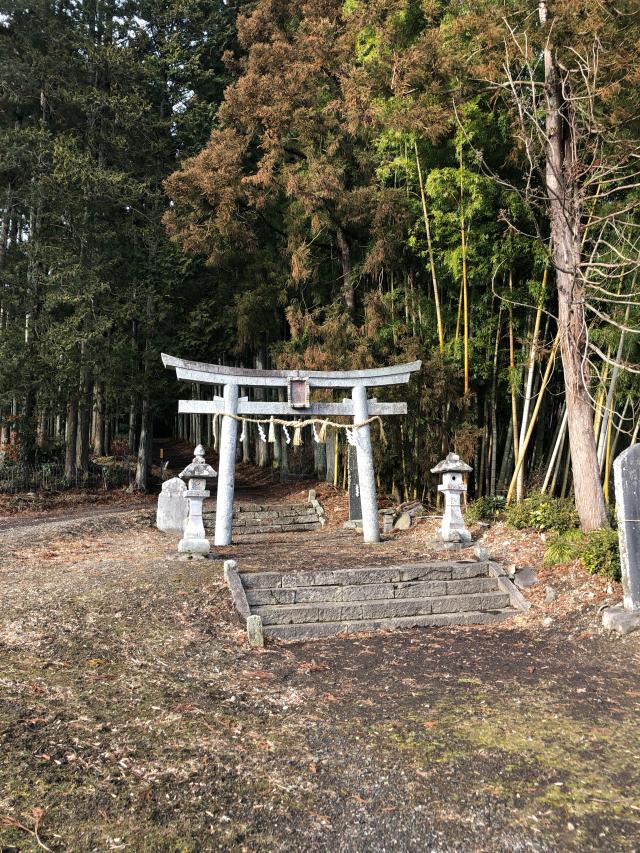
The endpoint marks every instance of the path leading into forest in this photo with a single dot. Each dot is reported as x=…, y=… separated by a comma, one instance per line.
x=134, y=717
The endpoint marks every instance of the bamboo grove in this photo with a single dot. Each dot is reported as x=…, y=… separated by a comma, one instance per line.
x=341, y=184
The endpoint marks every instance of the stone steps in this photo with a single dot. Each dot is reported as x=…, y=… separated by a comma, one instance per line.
x=306, y=604
x=253, y=519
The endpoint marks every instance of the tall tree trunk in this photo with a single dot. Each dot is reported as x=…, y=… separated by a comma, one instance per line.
x=347, y=271
x=99, y=432
x=71, y=439
x=144, y=446
x=145, y=443
x=132, y=426
x=84, y=413
x=564, y=212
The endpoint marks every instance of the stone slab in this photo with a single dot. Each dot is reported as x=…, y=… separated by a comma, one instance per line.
x=173, y=507
x=320, y=630
x=626, y=473
x=416, y=589
x=481, y=602
x=349, y=577
x=237, y=589
x=381, y=609
x=294, y=579
x=271, y=596
x=261, y=580
x=505, y=584
x=618, y=619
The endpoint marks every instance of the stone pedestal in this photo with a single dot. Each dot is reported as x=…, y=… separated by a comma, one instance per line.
x=625, y=617
x=194, y=540
x=452, y=468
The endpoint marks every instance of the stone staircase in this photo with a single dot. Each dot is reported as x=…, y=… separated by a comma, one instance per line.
x=310, y=604
x=250, y=519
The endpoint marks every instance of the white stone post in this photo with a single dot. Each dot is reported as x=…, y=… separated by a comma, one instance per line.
x=226, y=467
x=366, y=474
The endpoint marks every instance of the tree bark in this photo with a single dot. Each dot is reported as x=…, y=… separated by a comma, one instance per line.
x=347, y=271
x=144, y=446
x=99, y=432
x=71, y=439
x=564, y=210
x=84, y=418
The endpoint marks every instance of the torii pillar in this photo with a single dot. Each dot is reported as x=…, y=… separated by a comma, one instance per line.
x=226, y=466
x=366, y=473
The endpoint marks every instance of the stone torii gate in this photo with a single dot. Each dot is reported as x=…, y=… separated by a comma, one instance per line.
x=299, y=384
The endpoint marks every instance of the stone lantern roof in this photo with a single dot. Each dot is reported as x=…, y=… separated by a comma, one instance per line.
x=452, y=464
x=198, y=468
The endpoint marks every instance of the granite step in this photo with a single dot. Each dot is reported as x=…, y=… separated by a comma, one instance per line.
x=318, y=630
x=405, y=573
x=369, y=592
x=348, y=611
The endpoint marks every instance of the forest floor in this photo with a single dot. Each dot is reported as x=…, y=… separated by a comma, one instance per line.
x=133, y=716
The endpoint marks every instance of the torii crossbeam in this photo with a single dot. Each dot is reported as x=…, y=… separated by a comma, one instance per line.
x=298, y=383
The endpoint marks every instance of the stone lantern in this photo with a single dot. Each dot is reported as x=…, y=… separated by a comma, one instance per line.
x=193, y=539
x=453, y=469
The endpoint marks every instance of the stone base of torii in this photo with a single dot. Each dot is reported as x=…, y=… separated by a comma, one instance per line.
x=299, y=385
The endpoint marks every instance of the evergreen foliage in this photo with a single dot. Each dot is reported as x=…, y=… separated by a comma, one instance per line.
x=327, y=184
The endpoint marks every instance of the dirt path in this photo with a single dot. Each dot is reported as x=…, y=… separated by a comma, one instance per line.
x=134, y=716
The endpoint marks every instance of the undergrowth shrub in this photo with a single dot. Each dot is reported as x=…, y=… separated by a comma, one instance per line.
x=597, y=550
x=542, y=512
x=485, y=509
x=601, y=553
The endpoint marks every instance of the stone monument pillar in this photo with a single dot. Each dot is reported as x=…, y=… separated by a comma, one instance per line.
x=173, y=508
x=452, y=487
x=193, y=539
x=625, y=617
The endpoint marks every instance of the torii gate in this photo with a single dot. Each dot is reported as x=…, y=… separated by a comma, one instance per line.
x=299, y=384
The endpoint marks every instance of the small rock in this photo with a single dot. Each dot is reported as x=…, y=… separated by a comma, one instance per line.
x=525, y=577
x=481, y=552
x=549, y=594
x=547, y=621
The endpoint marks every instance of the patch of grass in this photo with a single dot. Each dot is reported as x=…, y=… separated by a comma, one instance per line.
x=564, y=548
x=601, y=553
x=544, y=762
x=597, y=550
